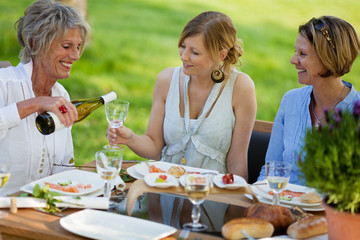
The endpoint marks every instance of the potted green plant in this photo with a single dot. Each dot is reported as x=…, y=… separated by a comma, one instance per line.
x=330, y=163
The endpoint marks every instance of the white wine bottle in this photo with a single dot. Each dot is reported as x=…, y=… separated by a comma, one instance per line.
x=48, y=122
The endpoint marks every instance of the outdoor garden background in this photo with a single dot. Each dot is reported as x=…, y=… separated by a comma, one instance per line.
x=133, y=40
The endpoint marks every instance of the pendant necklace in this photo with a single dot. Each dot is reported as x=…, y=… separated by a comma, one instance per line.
x=317, y=121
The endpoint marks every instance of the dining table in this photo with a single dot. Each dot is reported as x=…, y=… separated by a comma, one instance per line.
x=28, y=223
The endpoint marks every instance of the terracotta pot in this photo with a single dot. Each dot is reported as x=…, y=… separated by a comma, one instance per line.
x=341, y=225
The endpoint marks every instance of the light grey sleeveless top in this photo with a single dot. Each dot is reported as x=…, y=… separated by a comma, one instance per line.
x=207, y=143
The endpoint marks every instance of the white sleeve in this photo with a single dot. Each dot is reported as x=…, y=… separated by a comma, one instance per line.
x=9, y=118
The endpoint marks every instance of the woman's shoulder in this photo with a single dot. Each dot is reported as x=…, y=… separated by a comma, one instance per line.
x=243, y=80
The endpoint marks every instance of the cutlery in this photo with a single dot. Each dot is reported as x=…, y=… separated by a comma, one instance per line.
x=211, y=173
x=55, y=213
x=183, y=234
x=247, y=235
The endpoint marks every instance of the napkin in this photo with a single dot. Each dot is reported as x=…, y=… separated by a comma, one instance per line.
x=68, y=201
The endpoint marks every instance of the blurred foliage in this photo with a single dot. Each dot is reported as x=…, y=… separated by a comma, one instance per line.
x=133, y=40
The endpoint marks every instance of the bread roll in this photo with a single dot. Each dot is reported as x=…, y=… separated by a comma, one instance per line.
x=280, y=217
x=255, y=227
x=310, y=197
x=308, y=227
x=176, y=171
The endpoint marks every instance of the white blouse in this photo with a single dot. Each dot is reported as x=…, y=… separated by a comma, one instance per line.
x=32, y=155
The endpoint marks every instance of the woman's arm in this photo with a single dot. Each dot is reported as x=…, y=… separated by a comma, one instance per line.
x=151, y=143
x=244, y=107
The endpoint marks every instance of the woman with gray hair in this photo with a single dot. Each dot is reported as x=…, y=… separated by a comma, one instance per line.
x=52, y=37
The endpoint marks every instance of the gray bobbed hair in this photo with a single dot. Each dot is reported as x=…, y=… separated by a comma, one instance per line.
x=43, y=22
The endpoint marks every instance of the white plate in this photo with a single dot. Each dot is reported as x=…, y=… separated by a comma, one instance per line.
x=143, y=168
x=131, y=171
x=317, y=208
x=97, y=224
x=262, y=190
x=76, y=176
x=171, y=181
x=238, y=182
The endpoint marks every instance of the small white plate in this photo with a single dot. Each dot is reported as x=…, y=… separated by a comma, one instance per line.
x=143, y=168
x=76, y=176
x=96, y=224
x=238, y=182
x=150, y=179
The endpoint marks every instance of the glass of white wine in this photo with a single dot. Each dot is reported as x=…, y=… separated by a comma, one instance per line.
x=108, y=165
x=4, y=178
x=197, y=187
x=116, y=112
x=278, y=176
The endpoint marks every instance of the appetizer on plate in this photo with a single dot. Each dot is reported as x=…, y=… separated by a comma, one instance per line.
x=161, y=180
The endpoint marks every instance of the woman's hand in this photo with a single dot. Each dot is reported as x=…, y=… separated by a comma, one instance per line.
x=121, y=135
x=64, y=109
x=49, y=104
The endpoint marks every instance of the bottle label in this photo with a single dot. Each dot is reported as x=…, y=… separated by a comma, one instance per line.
x=111, y=96
x=58, y=124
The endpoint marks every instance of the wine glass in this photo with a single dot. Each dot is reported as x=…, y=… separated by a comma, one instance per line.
x=116, y=112
x=4, y=178
x=277, y=175
x=197, y=187
x=108, y=165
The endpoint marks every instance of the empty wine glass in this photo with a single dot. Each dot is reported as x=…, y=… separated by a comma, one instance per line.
x=197, y=187
x=4, y=178
x=116, y=112
x=108, y=165
x=277, y=175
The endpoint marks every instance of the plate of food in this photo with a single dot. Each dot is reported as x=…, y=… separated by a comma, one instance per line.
x=164, y=167
x=292, y=194
x=72, y=182
x=161, y=180
x=229, y=181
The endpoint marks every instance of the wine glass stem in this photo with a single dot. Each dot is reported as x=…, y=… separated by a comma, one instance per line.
x=107, y=189
x=195, y=214
x=275, y=200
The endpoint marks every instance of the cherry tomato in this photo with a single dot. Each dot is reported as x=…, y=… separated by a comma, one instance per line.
x=163, y=177
x=228, y=178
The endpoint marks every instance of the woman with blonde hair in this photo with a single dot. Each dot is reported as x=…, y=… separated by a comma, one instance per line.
x=202, y=112
x=52, y=37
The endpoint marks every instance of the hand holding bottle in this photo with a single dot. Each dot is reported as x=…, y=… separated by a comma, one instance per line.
x=54, y=105
x=49, y=122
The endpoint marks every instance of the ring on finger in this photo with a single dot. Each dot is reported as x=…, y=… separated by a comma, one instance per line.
x=63, y=109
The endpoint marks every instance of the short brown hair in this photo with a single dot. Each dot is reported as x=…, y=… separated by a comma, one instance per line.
x=338, y=55
x=219, y=33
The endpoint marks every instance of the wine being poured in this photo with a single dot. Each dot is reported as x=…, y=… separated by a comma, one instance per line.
x=48, y=122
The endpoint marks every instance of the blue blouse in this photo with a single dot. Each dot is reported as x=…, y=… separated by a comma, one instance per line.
x=290, y=125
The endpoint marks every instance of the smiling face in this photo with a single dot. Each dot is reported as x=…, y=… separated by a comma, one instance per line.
x=195, y=57
x=63, y=52
x=307, y=62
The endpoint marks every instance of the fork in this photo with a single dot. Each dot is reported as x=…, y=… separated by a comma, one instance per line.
x=183, y=234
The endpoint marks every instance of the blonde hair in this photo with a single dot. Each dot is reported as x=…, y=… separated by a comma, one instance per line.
x=219, y=33
x=43, y=22
x=339, y=58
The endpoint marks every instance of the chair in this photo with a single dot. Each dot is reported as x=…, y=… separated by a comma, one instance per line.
x=258, y=145
x=4, y=64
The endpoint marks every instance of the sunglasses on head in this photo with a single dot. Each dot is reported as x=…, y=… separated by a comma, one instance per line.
x=321, y=26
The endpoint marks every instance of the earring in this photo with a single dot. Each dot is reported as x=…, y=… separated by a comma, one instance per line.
x=217, y=76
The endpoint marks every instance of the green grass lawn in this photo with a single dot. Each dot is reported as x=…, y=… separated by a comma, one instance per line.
x=133, y=40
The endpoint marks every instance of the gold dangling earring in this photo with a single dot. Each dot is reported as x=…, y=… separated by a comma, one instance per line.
x=217, y=76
